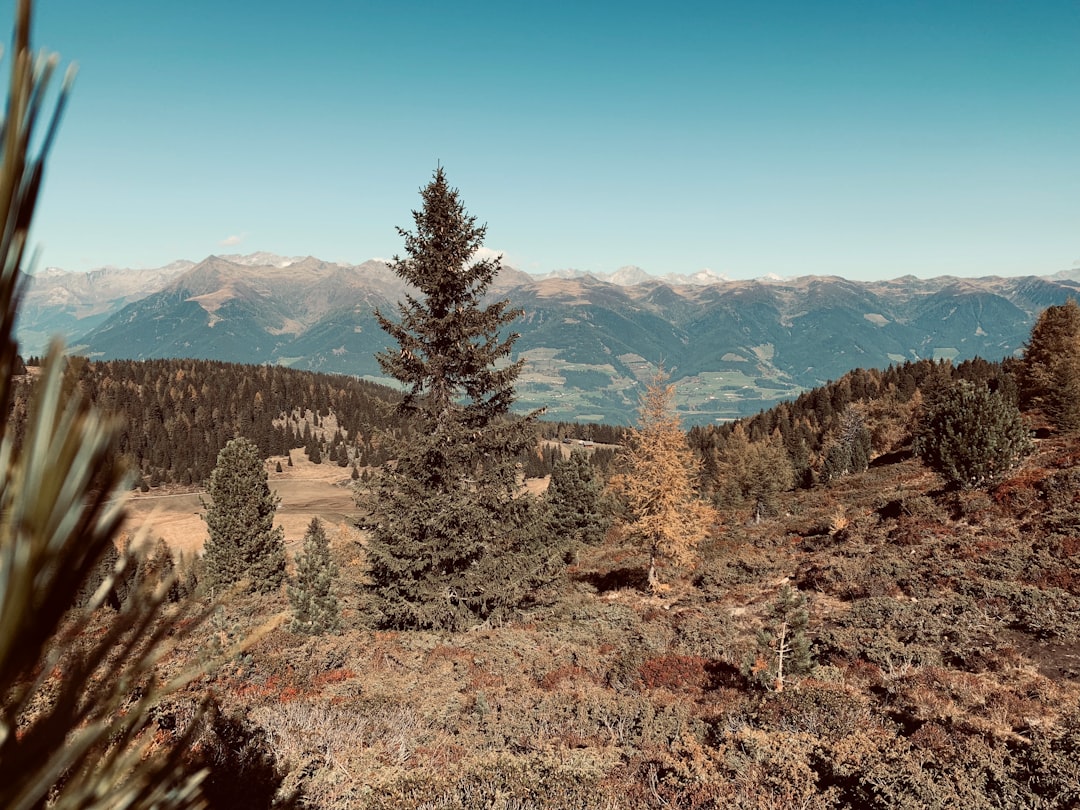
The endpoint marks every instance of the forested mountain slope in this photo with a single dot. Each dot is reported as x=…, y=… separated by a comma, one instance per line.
x=175, y=415
x=732, y=346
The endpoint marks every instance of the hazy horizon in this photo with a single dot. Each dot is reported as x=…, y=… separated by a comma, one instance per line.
x=562, y=272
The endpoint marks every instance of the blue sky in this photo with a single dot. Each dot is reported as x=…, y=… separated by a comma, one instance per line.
x=868, y=139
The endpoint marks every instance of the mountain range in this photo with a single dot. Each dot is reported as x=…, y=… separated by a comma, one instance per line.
x=733, y=347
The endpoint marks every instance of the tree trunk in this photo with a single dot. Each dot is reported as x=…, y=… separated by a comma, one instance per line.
x=781, y=651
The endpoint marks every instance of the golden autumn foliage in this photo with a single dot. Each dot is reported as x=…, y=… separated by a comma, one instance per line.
x=658, y=484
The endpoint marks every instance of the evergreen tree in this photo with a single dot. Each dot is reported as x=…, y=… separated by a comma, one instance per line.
x=105, y=569
x=971, y=435
x=574, y=500
x=666, y=513
x=1050, y=372
x=752, y=473
x=167, y=574
x=311, y=593
x=243, y=542
x=538, y=462
x=850, y=452
x=783, y=646
x=452, y=540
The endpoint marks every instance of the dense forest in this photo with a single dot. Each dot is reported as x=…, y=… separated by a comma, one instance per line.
x=885, y=401
x=175, y=415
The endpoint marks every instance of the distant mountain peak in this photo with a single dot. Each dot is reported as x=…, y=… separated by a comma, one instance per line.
x=263, y=259
x=588, y=339
x=702, y=276
x=631, y=275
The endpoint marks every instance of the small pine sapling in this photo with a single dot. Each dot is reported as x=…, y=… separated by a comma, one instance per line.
x=783, y=645
x=311, y=593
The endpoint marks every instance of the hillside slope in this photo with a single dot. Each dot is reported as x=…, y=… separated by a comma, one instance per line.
x=945, y=668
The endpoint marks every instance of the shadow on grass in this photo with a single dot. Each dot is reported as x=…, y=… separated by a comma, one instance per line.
x=725, y=675
x=615, y=579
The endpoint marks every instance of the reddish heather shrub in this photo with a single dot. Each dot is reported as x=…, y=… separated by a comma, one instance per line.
x=552, y=679
x=678, y=673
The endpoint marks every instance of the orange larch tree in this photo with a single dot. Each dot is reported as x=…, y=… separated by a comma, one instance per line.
x=658, y=484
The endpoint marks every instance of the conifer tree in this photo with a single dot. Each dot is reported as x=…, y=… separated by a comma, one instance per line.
x=850, y=451
x=452, y=541
x=311, y=593
x=164, y=565
x=574, y=500
x=752, y=473
x=1050, y=372
x=243, y=542
x=783, y=645
x=666, y=513
x=971, y=435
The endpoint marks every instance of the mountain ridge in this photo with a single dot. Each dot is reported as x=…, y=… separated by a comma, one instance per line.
x=733, y=346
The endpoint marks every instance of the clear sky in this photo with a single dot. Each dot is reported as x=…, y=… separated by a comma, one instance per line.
x=870, y=138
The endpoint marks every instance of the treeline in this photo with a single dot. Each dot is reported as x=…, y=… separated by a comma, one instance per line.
x=866, y=413
x=176, y=415
x=578, y=431
x=542, y=460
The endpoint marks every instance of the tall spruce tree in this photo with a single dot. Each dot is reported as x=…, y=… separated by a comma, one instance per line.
x=452, y=541
x=311, y=593
x=243, y=542
x=1050, y=372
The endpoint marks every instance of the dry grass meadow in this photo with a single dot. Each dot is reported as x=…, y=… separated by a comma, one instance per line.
x=307, y=490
